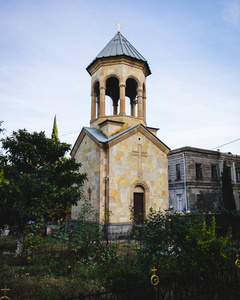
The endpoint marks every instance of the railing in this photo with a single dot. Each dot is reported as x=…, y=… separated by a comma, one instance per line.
x=191, y=286
x=184, y=286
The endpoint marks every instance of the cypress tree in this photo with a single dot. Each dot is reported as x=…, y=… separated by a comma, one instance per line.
x=55, y=130
x=227, y=190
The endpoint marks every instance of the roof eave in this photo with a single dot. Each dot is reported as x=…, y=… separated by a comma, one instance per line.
x=89, y=68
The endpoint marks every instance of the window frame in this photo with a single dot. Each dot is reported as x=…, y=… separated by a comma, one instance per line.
x=179, y=202
x=198, y=167
x=214, y=173
x=178, y=171
x=238, y=174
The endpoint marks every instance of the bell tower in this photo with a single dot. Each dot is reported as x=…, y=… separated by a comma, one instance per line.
x=119, y=71
x=125, y=162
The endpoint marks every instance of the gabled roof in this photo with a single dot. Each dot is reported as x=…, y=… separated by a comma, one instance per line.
x=103, y=141
x=119, y=46
x=100, y=137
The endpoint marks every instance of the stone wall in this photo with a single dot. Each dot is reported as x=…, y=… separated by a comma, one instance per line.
x=128, y=169
x=89, y=155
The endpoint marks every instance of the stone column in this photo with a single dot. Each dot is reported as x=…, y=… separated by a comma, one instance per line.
x=144, y=108
x=93, y=107
x=115, y=106
x=140, y=104
x=102, y=101
x=133, y=106
x=98, y=106
x=122, y=87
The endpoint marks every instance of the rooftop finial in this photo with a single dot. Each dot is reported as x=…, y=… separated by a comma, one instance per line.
x=119, y=26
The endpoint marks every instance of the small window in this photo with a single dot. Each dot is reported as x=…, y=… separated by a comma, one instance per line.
x=238, y=174
x=169, y=172
x=178, y=171
x=214, y=172
x=179, y=202
x=199, y=171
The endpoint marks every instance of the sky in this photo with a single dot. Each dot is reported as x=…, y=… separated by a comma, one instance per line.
x=192, y=48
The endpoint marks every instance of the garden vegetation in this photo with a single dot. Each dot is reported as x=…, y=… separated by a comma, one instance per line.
x=70, y=262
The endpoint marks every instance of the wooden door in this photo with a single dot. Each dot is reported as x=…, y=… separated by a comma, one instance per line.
x=138, y=207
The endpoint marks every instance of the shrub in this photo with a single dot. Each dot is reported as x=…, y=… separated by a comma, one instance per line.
x=202, y=250
x=33, y=238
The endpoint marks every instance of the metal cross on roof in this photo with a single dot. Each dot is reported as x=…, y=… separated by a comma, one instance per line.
x=119, y=26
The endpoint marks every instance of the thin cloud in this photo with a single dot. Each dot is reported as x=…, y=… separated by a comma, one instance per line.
x=231, y=12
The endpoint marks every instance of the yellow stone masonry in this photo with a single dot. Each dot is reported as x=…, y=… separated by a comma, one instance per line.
x=125, y=170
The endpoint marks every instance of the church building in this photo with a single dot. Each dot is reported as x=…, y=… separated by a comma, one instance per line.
x=126, y=163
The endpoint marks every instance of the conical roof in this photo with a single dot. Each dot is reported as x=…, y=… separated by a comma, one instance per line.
x=119, y=46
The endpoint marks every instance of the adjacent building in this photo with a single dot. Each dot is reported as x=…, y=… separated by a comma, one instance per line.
x=193, y=170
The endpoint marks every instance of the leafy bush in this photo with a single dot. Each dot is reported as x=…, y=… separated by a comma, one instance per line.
x=33, y=238
x=202, y=250
x=153, y=237
x=87, y=238
x=126, y=277
x=178, y=242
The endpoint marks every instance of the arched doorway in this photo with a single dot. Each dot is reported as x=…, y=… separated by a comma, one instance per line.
x=138, y=204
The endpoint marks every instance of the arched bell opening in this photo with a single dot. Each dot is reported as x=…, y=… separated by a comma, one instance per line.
x=112, y=90
x=128, y=106
x=114, y=98
x=131, y=93
x=108, y=106
x=95, y=109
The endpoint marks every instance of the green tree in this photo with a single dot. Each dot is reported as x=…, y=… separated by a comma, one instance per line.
x=5, y=217
x=1, y=129
x=227, y=190
x=55, y=130
x=39, y=179
x=207, y=200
